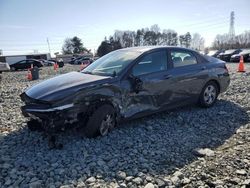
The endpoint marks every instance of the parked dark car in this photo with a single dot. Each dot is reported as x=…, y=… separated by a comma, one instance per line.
x=86, y=61
x=215, y=53
x=25, y=64
x=228, y=53
x=73, y=59
x=80, y=60
x=248, y=59
x=59, y=62
x=47, y=62
x=245, y=53
x=125, y=84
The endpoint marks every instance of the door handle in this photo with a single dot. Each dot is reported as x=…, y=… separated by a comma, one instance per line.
x=167, y=76
x=203, y=68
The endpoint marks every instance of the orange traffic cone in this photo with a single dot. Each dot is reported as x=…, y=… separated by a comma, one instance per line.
x=241, y=67
x=29, y=75
x=55, y=66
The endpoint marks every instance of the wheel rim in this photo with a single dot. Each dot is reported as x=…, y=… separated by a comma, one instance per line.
x=209, y=94
x=107, y=124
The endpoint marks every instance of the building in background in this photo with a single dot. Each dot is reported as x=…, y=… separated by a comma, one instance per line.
x=10, y=59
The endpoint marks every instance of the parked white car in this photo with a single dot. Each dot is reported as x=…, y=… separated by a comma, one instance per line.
x=4, y=67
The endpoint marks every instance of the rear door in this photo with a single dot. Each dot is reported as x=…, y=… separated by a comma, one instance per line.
x=188, y=74
x=28, y=64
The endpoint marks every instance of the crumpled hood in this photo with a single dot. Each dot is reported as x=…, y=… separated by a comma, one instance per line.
x=63, y=85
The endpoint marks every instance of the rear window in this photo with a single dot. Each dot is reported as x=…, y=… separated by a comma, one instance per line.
x=182, y=58
x=210, y=59
x=212, y=52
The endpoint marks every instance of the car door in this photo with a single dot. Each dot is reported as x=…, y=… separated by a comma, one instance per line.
x=153, y=93
x=188, y=74
x=27, y=64
x=20, y=64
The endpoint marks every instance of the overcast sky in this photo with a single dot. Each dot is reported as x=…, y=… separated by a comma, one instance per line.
x=26, y=24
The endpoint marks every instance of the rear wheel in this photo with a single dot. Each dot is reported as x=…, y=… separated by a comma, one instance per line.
x=209, y=94
x=100, y=122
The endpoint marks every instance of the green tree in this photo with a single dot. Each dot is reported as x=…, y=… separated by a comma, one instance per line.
x=67, y=47
x=108, y=46
x=104, y=48
x=73, y=46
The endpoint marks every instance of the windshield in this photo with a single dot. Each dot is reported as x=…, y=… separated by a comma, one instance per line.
x=212, y=52
x=112, y=64
x=229, y=51
x=245, y=51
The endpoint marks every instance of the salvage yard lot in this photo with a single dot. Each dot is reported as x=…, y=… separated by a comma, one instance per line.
x=158, y=150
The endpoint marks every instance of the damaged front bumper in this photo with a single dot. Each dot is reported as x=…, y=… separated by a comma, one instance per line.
x=53, y=118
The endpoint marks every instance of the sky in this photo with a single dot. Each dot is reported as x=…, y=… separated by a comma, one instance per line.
x=25, y=25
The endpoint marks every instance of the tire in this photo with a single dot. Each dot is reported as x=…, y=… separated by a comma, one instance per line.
x=13, y=69
x=34, y=125
x=100, y=122
x=209, y=95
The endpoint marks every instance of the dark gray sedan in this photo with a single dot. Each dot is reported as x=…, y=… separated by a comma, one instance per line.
x=124, y=84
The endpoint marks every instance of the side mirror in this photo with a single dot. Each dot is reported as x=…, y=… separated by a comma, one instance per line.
x=136, y=83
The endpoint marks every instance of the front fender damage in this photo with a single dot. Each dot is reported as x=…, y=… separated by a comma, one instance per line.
x=72, y=110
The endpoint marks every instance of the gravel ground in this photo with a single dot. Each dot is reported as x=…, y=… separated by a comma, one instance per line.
x=188, y=147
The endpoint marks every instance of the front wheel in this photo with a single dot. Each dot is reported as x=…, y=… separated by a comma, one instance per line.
x=209, y=95
x=101, y=121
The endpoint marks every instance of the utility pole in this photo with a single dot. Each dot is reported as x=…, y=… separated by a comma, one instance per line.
x=231, y=29
x=48, y=45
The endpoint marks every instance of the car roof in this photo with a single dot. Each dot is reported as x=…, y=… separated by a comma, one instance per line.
x=143, y=49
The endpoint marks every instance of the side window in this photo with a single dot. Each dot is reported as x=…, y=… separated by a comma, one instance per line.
x=22, y=62
x=150, y=63
x=180, y=58
x=31, y=62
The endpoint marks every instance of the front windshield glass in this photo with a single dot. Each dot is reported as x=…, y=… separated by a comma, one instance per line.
x=212, y=52
x=245, y=51
x=111, y=64
x=229, y=51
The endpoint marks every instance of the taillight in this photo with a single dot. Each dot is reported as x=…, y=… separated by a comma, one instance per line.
x=225, y=66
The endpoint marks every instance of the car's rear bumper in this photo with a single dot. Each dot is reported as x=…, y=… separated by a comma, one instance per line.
x=224, y=81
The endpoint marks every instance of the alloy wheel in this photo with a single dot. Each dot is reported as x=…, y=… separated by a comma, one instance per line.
x=107, y=124
x=210, y=94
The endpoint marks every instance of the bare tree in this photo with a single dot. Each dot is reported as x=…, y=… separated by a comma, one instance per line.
x=224, y=42
x=197, y=42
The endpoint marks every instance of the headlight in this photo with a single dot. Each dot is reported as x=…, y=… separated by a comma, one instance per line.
x=63, y=107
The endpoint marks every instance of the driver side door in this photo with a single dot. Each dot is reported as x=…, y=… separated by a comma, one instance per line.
x=150, y=75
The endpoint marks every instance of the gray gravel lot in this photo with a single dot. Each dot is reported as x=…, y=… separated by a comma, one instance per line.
x=187, y=147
